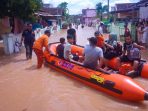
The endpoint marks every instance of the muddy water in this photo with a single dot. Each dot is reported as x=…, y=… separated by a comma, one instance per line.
x=23, y=88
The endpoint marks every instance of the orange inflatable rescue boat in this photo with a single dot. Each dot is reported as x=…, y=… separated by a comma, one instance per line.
x=115, y=85
x=126, y=67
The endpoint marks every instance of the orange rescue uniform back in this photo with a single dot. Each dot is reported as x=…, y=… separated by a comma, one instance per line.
x=41, y=42
x=100, y=41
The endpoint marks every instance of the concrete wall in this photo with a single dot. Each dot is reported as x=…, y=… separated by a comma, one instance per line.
x=143, y=12
x=91, y=13
x=90, y=16
x=127, y=14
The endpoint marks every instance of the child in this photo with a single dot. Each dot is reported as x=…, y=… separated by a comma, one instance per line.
x=126, y=30
x=60, y=48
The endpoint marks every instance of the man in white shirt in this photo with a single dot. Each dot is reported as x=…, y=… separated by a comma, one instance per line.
x=67, y=49
x=101, y=28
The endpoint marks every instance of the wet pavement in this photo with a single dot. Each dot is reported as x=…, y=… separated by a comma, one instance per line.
x=24, y=88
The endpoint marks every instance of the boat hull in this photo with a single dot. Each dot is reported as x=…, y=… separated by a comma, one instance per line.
x=116, y=85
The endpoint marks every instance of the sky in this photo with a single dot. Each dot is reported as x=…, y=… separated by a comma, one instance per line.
x=76, y=6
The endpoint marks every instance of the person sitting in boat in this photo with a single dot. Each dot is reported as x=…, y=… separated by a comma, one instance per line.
x=131, y=53
x=92, y=54
x=100, y=39
x=67, y=50
x=113, y=49
x=60, y=48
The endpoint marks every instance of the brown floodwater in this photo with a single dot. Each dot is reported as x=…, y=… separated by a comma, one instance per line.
x=24, y=88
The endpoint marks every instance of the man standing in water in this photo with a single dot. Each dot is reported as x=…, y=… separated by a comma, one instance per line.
x=72, y=32
x=38, y=47
x=126, y=30
x=101, y=28
x=28, y=37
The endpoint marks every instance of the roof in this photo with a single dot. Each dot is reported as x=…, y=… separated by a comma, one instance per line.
x=52, y=11
x=47, y=5
x=45, y=14
x=124, y=6
x=127, y=10
x=141, y=3
x=85, y=10
x=88, y=9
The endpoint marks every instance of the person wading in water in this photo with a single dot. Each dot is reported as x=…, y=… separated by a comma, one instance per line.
x=28, y=37
x=38, y=47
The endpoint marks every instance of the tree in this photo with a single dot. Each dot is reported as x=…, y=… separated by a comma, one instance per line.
x=63, y=6
x=101, y=9
x=23, y=9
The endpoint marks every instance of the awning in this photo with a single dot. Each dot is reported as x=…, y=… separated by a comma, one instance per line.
x=127, y=10
x=46, y=14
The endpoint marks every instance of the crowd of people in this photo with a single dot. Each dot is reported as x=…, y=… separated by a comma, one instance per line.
x=100, y=50
x=96, y=54
x=142, y=32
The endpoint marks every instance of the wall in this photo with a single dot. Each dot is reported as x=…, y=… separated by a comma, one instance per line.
x=90, y=16
x=127, y=14
x=91, y=13
x=118, y=29
x=143, y=12
x=5, y=25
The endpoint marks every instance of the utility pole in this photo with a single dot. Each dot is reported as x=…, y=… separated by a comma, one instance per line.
x=108, y=8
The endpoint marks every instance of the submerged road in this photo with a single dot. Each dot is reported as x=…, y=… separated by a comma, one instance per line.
x=24, y=88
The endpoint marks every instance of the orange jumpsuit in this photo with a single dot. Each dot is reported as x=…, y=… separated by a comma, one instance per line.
x=100, y=41
x=38, y=48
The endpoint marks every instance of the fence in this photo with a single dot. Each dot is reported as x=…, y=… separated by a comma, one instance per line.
x=39, y=32
x=118, y=29
x=12, y=42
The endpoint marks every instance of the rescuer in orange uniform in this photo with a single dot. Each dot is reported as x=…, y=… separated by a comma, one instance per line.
x=38, y=47
x=100, y=39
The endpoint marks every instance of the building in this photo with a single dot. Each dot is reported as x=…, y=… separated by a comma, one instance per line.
x=47, y=5
x=124, y=10
x=77, y=19
x=142, y=7
x=131, y=10
x=52, y=16
x=89, y=16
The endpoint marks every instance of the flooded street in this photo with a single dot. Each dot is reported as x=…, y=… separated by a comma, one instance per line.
x=24, y=88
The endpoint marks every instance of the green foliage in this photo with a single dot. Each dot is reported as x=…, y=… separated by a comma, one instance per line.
x=101, y=9
x=63, y=5
x=105, y=8
x=23, y=9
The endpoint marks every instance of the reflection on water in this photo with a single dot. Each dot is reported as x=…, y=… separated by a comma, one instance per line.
x=25, y=88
